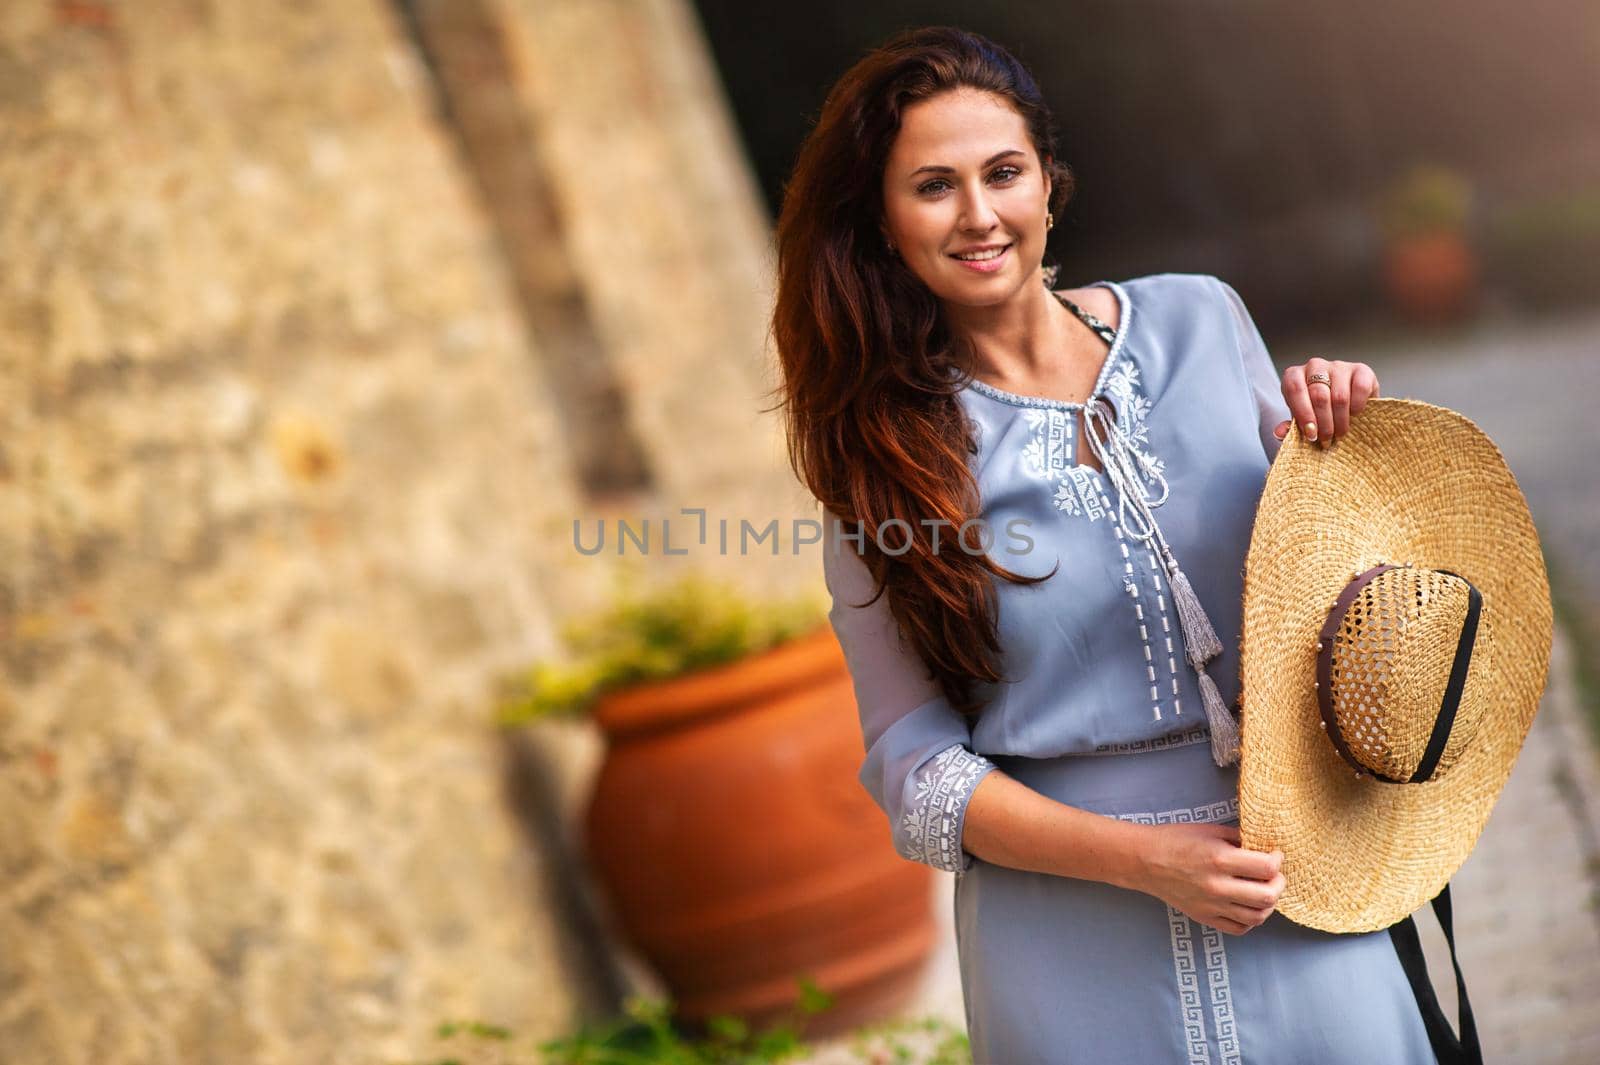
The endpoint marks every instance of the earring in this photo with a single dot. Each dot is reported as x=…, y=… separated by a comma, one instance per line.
x=1049, y=221
x=889, y=244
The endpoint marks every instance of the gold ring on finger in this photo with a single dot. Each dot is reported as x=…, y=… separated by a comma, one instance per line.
x=1318, y=378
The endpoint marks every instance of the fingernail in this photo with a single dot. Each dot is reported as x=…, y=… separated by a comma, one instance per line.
x=1311, y=431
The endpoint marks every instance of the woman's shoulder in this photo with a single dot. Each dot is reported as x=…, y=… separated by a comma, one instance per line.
x=1176, y=285
x=1171, y=297
x=1177, y=300
x=1098, y=301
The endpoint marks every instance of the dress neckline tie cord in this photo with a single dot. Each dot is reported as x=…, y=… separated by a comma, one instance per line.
x=1135, y=508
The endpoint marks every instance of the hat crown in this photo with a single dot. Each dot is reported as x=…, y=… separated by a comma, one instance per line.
x=1393, y=655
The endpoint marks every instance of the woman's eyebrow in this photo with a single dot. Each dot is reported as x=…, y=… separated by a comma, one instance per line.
x=995, y=158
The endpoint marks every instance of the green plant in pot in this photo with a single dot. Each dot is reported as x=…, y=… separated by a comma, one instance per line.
x=1430, y=271
x=727, y=829
x=653, y=634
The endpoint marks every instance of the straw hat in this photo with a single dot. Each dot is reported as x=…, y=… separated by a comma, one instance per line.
x=1407, y=552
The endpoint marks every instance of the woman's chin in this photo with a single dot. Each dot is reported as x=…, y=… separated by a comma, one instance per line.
x=989, y=290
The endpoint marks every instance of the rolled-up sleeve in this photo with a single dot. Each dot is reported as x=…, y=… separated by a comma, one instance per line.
x=1266, y=386
x=920, y=767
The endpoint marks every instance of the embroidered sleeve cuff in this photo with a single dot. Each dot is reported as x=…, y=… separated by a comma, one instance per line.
x=931, y=825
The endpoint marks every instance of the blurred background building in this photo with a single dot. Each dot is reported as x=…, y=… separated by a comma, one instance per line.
x=1252, y=139
x=321, y=323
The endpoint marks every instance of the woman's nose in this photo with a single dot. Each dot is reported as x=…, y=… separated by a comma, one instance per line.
x=977, y=213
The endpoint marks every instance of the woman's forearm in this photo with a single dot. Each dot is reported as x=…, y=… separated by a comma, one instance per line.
x=1008, y=823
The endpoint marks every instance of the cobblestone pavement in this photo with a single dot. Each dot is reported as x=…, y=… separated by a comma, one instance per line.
x=1527, y=901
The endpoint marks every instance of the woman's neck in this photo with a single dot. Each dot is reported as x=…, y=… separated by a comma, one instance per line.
x=1022, y=339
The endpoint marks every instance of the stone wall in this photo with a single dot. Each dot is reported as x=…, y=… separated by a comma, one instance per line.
x=281, y=490
x=667, y=230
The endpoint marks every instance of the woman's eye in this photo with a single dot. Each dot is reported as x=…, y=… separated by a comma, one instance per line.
x=1000, y=175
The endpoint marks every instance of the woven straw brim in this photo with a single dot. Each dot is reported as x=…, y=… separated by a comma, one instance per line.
x=1411, y=482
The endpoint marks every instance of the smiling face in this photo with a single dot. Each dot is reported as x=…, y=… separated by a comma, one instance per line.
x=965, y=197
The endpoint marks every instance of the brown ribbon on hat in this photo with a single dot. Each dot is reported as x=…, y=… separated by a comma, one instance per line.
x=1452, y=692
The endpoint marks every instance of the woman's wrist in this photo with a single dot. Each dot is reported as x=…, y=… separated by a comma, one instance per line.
x=1135, y=854
x=1007, y=823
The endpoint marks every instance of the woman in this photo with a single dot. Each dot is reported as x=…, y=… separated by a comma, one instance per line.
x=1039, y=506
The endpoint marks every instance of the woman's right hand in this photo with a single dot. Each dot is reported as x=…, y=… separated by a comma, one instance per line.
x=1201, y=870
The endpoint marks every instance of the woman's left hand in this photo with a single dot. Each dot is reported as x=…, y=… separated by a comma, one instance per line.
x=1324, y=409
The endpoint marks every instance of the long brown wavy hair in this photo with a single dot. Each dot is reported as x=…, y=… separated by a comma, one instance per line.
x=870, y=367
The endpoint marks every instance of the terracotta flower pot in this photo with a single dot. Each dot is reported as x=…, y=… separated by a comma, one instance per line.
x=1432, y=278
x=739, y=851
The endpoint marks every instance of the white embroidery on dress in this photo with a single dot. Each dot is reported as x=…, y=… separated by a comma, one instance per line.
x=1050, y=452
x=1091, y=501
x=1123, y=378
x=1160, y=743
x=1218, y=983
x=1166, y=632
x=1183, y=967
x=1131, y=413
x=932, y=826
x=1221, y=810
x=1221, y=995
x=1045, y=454
x=1131, y=586
x=1067, y=499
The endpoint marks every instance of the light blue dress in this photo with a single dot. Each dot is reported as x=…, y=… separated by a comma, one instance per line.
x=1101, y=711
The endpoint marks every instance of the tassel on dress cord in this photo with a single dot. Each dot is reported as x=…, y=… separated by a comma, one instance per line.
x=1224, y=729
x=1201, y=645
x=1198, y=635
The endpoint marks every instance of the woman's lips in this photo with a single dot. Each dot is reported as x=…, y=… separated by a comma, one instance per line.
x=986, y=266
